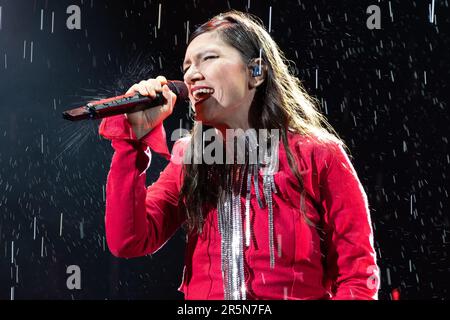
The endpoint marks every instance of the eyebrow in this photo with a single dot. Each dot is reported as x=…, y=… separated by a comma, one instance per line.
x=199, y=54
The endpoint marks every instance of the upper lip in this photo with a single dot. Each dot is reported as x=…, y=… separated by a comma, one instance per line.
x=193, y=89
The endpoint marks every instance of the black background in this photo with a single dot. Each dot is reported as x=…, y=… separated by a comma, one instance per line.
x=385, y=92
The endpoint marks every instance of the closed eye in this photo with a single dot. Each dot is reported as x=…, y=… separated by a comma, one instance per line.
x=204, y=59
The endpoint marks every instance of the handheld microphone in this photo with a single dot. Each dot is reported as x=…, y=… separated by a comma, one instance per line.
x=126, y=103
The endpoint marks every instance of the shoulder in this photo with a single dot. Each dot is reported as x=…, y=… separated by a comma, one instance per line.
x=326, y=155
x=319, y=146
x=179, y=149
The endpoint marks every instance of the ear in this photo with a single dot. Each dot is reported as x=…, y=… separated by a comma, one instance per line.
x=257, y=72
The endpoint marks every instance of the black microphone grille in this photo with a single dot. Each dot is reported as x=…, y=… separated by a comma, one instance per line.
x=179, y=88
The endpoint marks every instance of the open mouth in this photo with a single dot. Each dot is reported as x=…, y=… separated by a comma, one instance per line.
x=201, y=93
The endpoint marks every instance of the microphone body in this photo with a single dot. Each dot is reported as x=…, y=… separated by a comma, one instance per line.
x=126, y=103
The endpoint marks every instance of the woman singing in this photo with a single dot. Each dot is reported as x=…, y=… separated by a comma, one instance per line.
x=295, y=224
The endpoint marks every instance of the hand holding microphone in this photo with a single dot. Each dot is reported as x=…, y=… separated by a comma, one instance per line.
x=146, y=104
x=145, y=120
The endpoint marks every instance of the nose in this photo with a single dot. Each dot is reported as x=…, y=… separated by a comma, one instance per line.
x=193, y=75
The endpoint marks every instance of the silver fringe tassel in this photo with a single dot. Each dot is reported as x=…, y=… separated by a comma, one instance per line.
x=269, y=187
x=231, y=226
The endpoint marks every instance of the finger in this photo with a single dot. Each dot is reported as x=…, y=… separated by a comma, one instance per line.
x=166, y=94
x=161, y=79
x=133, y=89
x=142, y=90
x=145, y=89
x=169, y=95
x=153, y=87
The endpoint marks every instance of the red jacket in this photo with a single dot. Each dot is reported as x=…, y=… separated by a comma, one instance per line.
x=339, y=263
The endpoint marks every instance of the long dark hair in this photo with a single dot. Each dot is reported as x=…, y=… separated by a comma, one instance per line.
x=280, y=102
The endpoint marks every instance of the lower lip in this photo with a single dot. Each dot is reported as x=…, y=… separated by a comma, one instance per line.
x=200, y=101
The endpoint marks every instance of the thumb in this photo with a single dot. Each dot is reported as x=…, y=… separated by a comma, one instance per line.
x=169, y=95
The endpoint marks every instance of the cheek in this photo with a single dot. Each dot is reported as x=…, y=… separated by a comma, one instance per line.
x=236, y=93
x=230, y=81
x=233, y=82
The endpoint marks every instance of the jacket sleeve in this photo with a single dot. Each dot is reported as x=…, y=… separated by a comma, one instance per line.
x=351, y=260
x=139, y=220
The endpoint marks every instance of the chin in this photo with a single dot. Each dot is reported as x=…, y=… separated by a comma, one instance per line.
x=205, y=120
x=201, y=115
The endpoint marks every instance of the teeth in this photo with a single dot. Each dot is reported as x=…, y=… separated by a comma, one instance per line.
x=199, y=92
